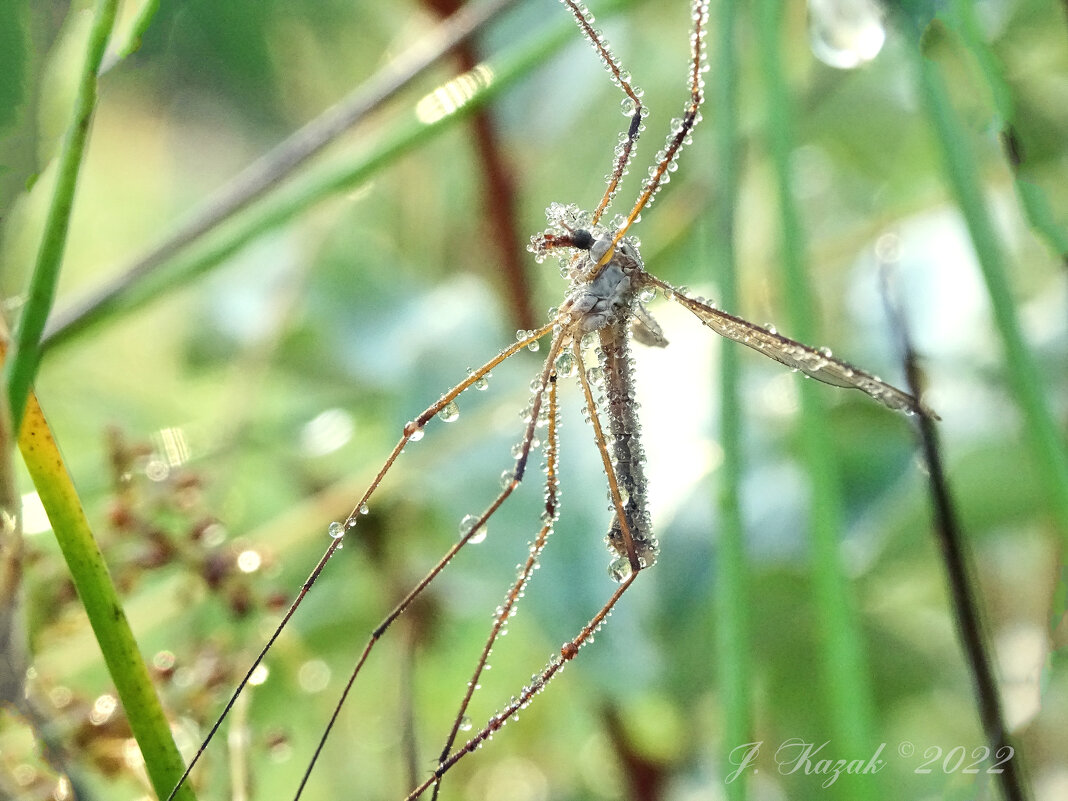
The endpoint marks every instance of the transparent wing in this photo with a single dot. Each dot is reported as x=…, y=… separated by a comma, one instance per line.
x=646, y=330
x=814, y=362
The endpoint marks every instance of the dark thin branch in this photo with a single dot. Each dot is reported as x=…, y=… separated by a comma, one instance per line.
x=974, y=640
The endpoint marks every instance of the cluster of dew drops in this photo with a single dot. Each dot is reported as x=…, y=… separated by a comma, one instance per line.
x=506, y=611
x=337, y=530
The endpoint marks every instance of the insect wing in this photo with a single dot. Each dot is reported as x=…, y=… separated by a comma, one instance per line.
x=646, y=330
x=818, y=364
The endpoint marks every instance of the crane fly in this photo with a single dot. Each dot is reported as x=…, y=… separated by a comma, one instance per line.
x=590, y=337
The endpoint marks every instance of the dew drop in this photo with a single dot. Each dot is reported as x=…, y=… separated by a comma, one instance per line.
x=619, y=570
x=565, y=364
x=465, y=723
x=468, y=523
x=363, y=509
x=482, y=384
x=449, y=412
x=336, y=530
x=846, y=34
x=414, y=431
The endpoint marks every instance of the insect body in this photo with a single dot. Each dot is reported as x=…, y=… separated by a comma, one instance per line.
x=590, y=337
x=609, y=285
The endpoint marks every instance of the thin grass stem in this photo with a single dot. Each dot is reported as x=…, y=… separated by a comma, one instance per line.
x=1045, y=442
x=101, y=601
x=22, y=366
x=196, y=249
x=850, y=702
x=1033, y=200
x=733, y=574
x=262, y=177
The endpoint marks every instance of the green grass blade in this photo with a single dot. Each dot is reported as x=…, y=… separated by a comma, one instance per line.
x=846, y=678
x=268, y=172
x=101, y=602
x=733, y=614
x=302, y=193
x=137, y=29
x=22, y=366
x=1033, y=200
x=1045, y=441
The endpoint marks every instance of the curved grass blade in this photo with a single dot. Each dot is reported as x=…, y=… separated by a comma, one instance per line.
x=194, y=255
x=21, y=369
x=848, y=690
x=1044, y=439
x=100, y=600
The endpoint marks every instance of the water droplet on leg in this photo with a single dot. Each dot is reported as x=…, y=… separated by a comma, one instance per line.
x=565, y=364
x=619, y=570
x=468, y=523
x=449, y=412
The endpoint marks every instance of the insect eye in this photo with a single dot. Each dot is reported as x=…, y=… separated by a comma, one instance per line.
x=582, y=239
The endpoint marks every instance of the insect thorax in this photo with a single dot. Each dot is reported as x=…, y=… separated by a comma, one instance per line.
x=601, y=293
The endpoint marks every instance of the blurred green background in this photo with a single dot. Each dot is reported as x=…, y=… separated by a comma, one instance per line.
x=215, y=431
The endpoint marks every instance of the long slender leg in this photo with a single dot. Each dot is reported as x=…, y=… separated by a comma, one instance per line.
x=412, y=429
x=521, y=700
x=398, y=610
x=630, y=512
x=624, y=543
x=621, y=78
x=511, y=601
x=681, y=127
